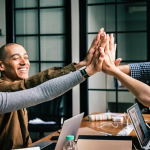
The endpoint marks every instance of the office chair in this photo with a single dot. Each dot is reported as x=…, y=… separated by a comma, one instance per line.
x=48, y=111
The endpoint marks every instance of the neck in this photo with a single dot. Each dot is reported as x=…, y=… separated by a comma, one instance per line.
x=6, y=78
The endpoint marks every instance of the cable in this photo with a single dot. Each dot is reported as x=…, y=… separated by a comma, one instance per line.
x=106, y=123
x=134, y=146
x=113, y=124
x=127, y=118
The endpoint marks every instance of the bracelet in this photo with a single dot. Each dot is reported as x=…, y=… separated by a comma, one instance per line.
x=84, y=73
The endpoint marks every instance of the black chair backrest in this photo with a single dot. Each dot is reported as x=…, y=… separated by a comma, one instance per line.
x=46, y=110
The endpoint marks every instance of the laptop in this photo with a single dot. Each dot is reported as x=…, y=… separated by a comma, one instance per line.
x=139, y=125
x=70, y=127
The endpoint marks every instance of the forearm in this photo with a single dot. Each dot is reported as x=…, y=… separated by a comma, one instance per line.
x=44, y=92
x=140, y=90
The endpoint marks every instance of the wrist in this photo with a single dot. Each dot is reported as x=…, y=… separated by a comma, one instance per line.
x=115, y=71
x=84, y=73
x=89, y=71
x=125, y=69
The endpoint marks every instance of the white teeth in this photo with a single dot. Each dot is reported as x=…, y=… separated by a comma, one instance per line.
x=23, y=69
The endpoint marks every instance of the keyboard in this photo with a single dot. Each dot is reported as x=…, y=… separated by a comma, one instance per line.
x=146, y=141
x=49, y=147
x=45, y=145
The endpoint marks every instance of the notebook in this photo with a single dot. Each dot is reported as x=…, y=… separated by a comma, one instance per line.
x=139, y=125
x=70, y=127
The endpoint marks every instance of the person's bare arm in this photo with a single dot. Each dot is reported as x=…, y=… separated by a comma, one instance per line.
x=140, y=90
x=125, y=69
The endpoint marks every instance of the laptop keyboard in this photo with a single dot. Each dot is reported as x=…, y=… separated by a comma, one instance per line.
x=50, y=147
x=146, y=141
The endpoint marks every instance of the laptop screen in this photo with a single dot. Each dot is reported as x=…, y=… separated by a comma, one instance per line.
x=138, y=123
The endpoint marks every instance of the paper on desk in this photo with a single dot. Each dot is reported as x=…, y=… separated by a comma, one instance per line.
x=32, y=148
x=39, y=121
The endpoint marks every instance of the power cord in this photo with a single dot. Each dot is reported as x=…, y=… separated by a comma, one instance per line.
x=103, y=124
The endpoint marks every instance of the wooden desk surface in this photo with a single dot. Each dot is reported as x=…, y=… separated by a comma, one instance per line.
x=96, y=126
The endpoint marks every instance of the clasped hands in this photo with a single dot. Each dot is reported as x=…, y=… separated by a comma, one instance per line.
x=101, y=55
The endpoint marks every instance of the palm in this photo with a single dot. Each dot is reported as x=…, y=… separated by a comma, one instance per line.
x=95, y=43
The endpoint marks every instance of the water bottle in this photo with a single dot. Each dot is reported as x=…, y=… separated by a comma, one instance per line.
x=70, y=143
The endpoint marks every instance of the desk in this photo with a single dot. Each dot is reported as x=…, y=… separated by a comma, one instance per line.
x=95, y=124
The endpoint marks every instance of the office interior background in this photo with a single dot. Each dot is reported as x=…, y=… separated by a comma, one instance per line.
x=58, y=32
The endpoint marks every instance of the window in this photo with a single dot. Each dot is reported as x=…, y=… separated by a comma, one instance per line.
x=43, y=27
x=127, y=20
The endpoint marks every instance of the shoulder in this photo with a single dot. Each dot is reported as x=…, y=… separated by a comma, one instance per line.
x=4, y=84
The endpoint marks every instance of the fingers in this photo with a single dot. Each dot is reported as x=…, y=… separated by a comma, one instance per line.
x=96, y=40
x=94, y=66
x=96, y=56
x=107, y=45
x=111, y=42
x=101, y=53
x=98, y=60
x=101, y=31
x=115, y=46
x=112, y=46
x=117, y=62
x=101, y=58
x=103, y=40
x=88, y=58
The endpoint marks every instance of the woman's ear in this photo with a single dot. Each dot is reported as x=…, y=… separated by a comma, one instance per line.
x=1, y=66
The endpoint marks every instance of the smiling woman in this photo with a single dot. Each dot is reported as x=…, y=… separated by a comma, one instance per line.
x=14, y=62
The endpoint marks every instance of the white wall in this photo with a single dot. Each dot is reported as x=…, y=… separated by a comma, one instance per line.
x=75, y=51
x=2, y=22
